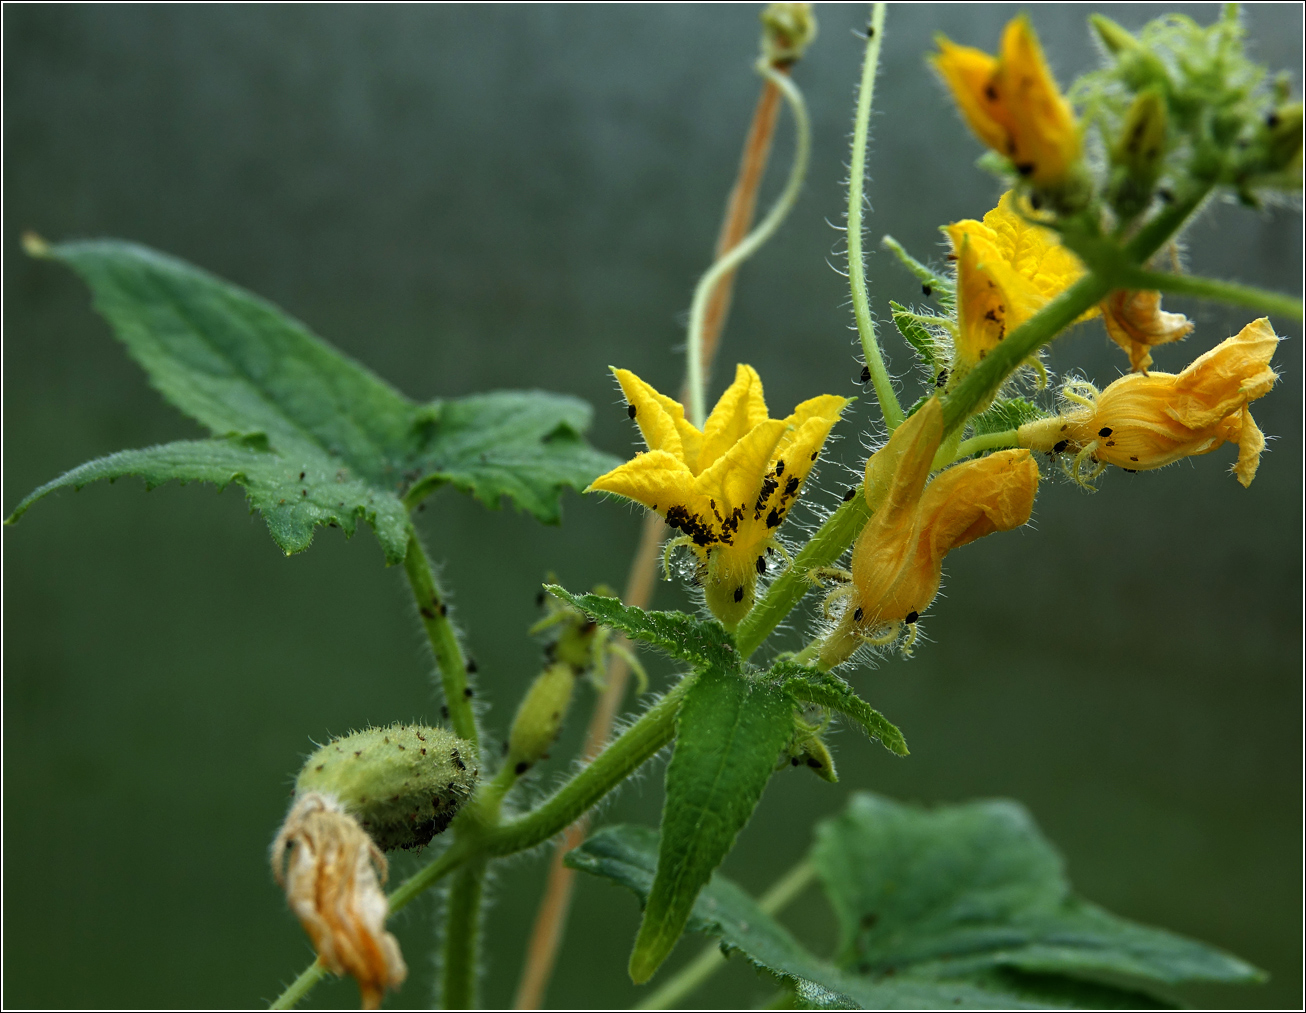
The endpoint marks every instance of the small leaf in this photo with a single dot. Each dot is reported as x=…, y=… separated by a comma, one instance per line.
x=916, y=334
x=811, y=685
x=1006, y=414
x=729, y=732
x=701, y=642
x=294, y=495
x=957, y=891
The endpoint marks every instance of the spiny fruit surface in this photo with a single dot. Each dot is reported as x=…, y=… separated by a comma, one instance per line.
x=403, y=783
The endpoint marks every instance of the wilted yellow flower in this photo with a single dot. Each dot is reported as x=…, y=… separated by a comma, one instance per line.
x=728, y=487
x=1008, y=268
x=332, y=874
x=1136, y=322
x=898, y=558
x=1013, y=103
x=1148, y=420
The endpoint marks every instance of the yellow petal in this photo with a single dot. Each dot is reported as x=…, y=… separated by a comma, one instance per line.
x=734, y=481
x=1046, y=136
x=660, y=419
x=1220, y=381
x=896, y=473
x=657, y=479
x=1032, y=251
x=969, y=75
x=1136, y=322
x=977, y=498
x=740, y=409
x=1251, y=441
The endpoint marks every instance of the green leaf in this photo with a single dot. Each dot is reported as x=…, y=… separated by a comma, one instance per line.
x=959, y=891
x=701, y=642
x=942, y=288
x=326, y=494
x=729, y=732
x=628, y=855
x=811, y=685
x=1006, y=414
x=916, y=334
x=338, y=442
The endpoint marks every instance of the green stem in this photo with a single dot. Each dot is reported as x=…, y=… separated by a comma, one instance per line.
x=1220, y=291
x=462, y=937
x=433, y=607
x=827, y=545
x=889, y=405
x=750, y=244
x=300, y=987
x=622, y=758
x=989, y=441
x=455, y=856
x=711, y=960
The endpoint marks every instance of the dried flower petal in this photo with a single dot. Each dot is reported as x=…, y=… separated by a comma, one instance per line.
x=332, y=875
x=1136, y=322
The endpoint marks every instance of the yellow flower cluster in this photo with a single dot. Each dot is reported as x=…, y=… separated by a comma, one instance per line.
x=728, y=487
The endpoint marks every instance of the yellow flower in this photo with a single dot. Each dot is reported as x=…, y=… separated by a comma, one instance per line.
x=1148, y=420
x=329, y=868
x=728, y=487
x=1136, y=322
x=1013, y=104
x=898, y=558
x=1008, y=268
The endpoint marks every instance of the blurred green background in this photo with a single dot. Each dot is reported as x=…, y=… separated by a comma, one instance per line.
x=466, y=198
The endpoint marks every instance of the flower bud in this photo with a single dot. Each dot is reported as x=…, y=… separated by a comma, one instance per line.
x=787, y=30
x=403, y=783
x=332, y=874
x=539, y=717
x=1139, y=154
x=814, y=754
x=1283, y=137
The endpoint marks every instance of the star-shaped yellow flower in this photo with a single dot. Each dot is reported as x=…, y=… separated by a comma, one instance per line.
x=897, y=561
x=1148, y=420
x=1008, y=268
x=728, y=487
x=1013, y=103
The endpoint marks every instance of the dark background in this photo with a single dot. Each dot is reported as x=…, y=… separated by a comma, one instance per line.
x=466, y=198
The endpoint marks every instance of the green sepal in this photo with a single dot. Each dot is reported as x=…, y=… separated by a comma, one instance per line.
x=941, y=287
x=1006, y=414
x=701, y=642
x=729, y=732
x=916, y=334
x=825, y=689
x=320, y=439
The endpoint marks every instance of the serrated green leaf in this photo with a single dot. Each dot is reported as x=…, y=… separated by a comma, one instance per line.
x=292, y=505
x=628, y=855
x=701, y=642
x=728, y=734
x=1006, y=414
x=826, y=689
x=940, y=286
x=916, y=334
x=237, y=364
x=957, y=891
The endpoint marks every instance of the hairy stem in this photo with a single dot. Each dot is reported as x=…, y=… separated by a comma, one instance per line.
x=1220, y=291
x=433, y=607
x=300, y=987
x=462, y=937
x=889, y=405
x=694, y=374
x=711, y=960
x=989, y=441
x=827, y=545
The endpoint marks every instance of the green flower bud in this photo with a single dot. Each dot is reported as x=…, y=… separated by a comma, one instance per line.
x=1283, y=137
x=815, y=756
x=540, y=716
x=403, y=783
x=787, y=30
x=1139, y=154
x=1137, y=66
